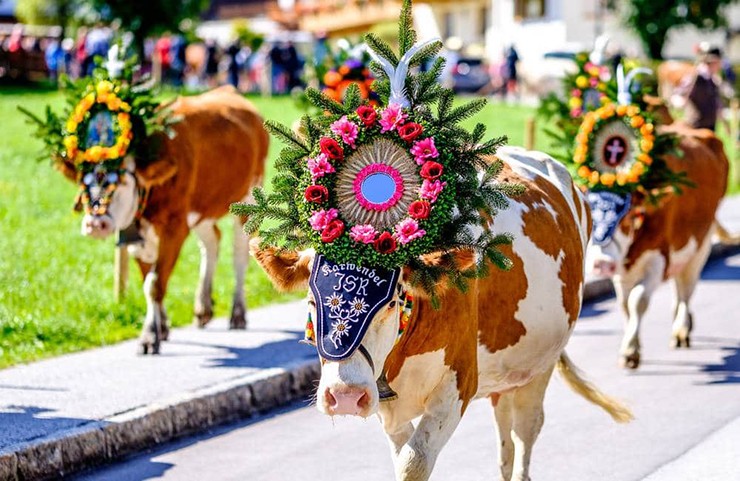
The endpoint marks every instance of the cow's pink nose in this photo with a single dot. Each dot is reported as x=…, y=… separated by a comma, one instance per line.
x=98, y=226
x=347, y=400
x=605, y=267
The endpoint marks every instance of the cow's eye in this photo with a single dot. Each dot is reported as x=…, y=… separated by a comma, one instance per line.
x=392, y=305
x=312, y=303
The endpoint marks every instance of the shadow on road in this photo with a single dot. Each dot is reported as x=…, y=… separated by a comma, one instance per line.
x=721, y=270
x=25, y=423
x=728, y=370
x=271, y=354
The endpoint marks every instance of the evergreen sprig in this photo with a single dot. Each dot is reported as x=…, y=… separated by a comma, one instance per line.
x=471, y=203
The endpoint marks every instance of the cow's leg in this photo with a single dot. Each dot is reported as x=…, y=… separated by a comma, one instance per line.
x=636, y=299
x=527, y=417
x=208, y=239
x=155, y=286
x=241, y=261
x=442, y=413
x=685, y=283
x=502, y=410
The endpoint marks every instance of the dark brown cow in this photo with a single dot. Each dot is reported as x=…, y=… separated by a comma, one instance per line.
x=500, y=340
x=671, y=240
x=216, y=157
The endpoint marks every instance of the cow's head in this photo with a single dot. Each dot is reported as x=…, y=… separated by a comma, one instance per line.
x=356, y=314
x=110, y=196
x=616, y=218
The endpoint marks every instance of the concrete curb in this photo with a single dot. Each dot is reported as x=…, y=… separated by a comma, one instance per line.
x=101, y=442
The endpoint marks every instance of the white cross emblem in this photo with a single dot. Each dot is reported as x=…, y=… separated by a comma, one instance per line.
x=615, y=148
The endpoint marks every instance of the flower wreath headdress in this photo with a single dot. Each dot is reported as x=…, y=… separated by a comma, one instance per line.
x=381, y=186
x=108, y=117
x=617, y=147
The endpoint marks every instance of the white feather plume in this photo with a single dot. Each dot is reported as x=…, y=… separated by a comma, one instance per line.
x=397, y=75
x=624, y=97
x=114, y=64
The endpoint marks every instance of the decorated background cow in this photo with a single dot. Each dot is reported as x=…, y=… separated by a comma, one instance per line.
x=654, y=192
x=157, y=180
x=428, y=286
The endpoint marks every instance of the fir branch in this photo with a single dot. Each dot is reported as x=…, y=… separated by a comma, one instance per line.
x=325, y=103
x=381, y=48
x=425, y=54
x=352, y=97
x=406, y=32
x=286, y=134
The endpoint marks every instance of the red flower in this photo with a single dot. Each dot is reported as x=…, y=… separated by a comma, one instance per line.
x=367, y=115
x=431, y=170
x=385, y=244
x=332, y=230
x=316, y=193
x=331, y=148
x=410, y=131
x=420, y=209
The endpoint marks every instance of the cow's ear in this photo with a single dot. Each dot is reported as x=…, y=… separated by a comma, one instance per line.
x=66, y=168
x=659, y=109
x=458, y=260
x=155, y=173
x=288, y=270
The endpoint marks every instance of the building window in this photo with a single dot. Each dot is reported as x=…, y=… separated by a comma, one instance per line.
x=525, y=9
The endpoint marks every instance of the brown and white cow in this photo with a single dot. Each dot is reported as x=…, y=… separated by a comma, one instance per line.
x=216, y=157
x=670, y=240
x=500, y=340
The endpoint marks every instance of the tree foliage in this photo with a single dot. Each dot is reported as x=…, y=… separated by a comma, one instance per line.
x=653, y=19
x=148, y=17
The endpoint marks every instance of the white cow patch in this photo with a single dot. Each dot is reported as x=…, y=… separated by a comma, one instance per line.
x=680, y=258
x=148, y=250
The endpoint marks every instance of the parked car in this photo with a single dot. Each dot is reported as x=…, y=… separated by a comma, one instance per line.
x=470, y=74
x=545, y=74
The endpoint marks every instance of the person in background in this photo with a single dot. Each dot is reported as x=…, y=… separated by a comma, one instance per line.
x=234, y=66
x=699, y=93
x=97, y=43
x=54, y=56
x=210, y=69
x=512, y=77
x=178, y=60
x=162, y=56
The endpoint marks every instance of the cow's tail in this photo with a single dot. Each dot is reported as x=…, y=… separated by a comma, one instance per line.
x=575, y=380
x=725, y=236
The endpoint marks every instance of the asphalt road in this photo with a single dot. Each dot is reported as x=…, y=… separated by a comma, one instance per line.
x=686, y=403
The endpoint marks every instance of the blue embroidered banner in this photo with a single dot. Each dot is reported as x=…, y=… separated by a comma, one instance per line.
x=347, y=298
x=607, y=210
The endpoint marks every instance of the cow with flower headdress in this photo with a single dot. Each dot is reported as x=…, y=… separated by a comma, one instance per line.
x=437, y=273
x=156, y=172
x=654, y=189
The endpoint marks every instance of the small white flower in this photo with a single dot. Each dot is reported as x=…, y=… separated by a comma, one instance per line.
x=358, y=306
x=335, y=301
x=339, y=329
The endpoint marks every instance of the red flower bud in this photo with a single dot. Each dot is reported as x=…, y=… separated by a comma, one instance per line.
x=420, y=209
x=316, y=193
x=332, y=231
x=410, y=131
x=385, y=244
x=367, y=115
x=431, y=170
x=331, y=148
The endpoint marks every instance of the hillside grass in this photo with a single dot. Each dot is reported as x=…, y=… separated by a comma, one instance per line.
x=56, y=287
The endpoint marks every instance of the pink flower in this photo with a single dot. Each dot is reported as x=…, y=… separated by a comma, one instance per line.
x=575, y=93
x=321, y=218
x=576, y=112
x=392, y=117
x=319, y=166
x=424, y=150
x=408, y=230
x=363, y=233
x=346, y=130
x=430, y=190
x=594, y=81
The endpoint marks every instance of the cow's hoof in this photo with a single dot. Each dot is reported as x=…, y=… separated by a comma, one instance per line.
x=202, y=320
x=149, y=348
x=631, y=361
x=679, y=341
x=238, y=318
